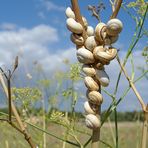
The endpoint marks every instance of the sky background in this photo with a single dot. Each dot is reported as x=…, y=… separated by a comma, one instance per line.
x=35, y=30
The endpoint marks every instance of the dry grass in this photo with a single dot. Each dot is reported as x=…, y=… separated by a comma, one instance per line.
x=129, y=135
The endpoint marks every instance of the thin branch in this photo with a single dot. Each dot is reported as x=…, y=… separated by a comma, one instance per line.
x=132, y=85
x=117, y=8
x=18, y=119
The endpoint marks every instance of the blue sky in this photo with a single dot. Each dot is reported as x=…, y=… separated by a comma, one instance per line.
x=29, y=13
x=36, y=30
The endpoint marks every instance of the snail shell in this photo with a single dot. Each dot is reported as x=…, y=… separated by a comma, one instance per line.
x=91, y=84
x=103, y=78
x=92, y=121
x=103, y=54
x=73, y=26
x=100, y=32
x=90, y=31
x=85, y=56
x=88, y=70
x=95, y=97
x=90, y=43
x=113, y=39
x=85, y=22
x=69, y=13
x=88, y=108
x=77, y=39
x=114, y=27
x=99, y=66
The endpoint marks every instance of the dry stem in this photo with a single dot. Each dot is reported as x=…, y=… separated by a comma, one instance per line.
x=145, y=129
x=96, y=133
x=18, y=119
x=116, y=8
x=144, y=107
x=132, y=86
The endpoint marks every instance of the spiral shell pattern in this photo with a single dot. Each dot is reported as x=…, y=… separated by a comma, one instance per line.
x=94, y=52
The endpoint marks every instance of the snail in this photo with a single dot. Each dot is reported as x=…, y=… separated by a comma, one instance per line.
x=92, y=121
x=90, y=43
x=103, y=78
x=90, y=31
x=85, y=22
x=85, y=56
x=114, y=27
x=99, y=65
x=103, y=54
x=113, y=38
x=77, y=39
x=88, y=108
x=91, y=84
x=95, y=97
x=69, y=13
x=88, y=70
x=73, y=26
x=100, y=32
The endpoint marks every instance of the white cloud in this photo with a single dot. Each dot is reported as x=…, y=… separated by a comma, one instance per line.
x=32, y=45
x=51, y=6
x=8, y=26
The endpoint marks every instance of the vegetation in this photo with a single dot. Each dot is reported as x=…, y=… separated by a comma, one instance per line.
x=34, y=118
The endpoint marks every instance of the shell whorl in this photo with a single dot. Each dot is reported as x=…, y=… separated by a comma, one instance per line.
x=103, y=54
x=91, y=84
x=103, y=78
x=73, y=26
x=92, y=121
x=88, y=107
x=89, y=70
x=114, y=27
x=90, y=43
x=77, y=39
x=69, y=13
x=85, y=56
x=95, y=97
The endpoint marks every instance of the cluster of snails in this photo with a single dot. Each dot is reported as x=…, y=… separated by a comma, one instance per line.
x=94, y=52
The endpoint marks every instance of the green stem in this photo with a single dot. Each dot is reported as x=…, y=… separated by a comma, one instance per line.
x=40, y=129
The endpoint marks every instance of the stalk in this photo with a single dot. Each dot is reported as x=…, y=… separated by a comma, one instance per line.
x=95, y=133
x=145, y=129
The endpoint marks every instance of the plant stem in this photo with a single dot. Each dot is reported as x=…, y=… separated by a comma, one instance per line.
x=132, y=85
x=18, y=119
x=95, y=133
x=117, y=8
x=145, y=129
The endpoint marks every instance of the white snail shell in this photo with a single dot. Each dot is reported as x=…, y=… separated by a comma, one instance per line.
x=90, y=31
x=88, y=108
x=103, y=54
x=92, y=121
x=100, y=32
x=103, y=78
x=73, y=26
x=90, y=43
x=99, y=66
x=113, y=39
x=88, y=70
x=77, y=39
x=69, y=13
x=85, y=22
x=85, y=56
x=95, y=97
x=114, y=27
x=91, y=84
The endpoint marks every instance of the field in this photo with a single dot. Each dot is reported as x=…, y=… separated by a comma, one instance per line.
x=129, y=135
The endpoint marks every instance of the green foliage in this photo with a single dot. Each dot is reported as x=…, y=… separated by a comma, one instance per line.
x=139, y=6
x=58, y=117
x=74, y=73
x=26, y=97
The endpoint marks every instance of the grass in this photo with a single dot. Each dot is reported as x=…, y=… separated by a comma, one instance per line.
x=129, y=135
